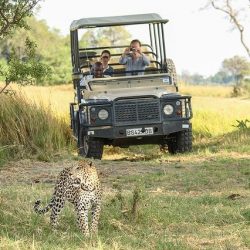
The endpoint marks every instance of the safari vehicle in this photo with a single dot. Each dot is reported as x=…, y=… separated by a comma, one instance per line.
x=128, y=110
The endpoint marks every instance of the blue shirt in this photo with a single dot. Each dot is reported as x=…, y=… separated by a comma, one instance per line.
x=139, y=64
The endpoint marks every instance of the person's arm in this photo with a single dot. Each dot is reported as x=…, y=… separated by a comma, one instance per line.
x=123, y=59
x=145, y=59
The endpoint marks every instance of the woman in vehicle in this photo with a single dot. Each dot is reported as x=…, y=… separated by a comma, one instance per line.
x=105, y=57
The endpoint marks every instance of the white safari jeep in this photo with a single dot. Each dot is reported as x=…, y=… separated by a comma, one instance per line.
x=128, y=110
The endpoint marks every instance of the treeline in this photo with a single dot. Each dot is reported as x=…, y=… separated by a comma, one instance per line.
x=234, y=71
x=197, y=79
x=52, y=49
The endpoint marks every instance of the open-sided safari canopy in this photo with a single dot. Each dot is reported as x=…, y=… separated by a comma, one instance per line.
x=155, y=50
x=116, y=21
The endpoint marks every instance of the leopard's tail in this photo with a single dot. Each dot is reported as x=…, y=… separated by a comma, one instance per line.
x=40, y=210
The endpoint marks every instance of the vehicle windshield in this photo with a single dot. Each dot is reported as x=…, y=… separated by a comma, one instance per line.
x=102, y=84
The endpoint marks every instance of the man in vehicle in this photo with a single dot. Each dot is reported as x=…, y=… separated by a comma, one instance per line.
x=96, y=72
x=134, y=59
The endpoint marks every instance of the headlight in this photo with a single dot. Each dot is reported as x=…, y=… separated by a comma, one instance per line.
x=103, y=114
x=168, y=109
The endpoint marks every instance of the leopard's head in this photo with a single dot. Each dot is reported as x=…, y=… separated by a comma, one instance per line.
x=86, y=172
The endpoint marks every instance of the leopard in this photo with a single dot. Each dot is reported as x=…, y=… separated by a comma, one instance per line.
x=80, y=185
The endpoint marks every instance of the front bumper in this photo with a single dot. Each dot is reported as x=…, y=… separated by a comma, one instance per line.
x=119, y=132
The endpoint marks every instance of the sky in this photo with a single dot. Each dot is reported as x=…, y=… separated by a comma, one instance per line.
x=197, y=40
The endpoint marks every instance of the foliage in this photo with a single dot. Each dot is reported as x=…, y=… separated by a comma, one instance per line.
x=109, y=36
x=26, y=70
x=13, y=14
x=233, y=71
x=18, y=69
x=192, y=78
x=242, y=124
x=221, y=77
x=238, y=67
x=52, y=49
x=29, y=130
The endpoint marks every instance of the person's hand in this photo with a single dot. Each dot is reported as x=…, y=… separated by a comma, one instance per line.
x=139, y=51
x=126, y=51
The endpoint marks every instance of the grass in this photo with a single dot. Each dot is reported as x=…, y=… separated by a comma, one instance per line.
x=215, y=116
x=214, y=111
x=27, y=129
x=220, y=91
x=183, y=206
x=198, y=200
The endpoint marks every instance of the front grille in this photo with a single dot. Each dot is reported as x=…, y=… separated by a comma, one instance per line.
x=136, y=111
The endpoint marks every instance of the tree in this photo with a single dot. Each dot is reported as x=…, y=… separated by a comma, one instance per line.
x=13, y=14
x=52, y=49
x=192, y=78
x=222, y=77
x=105, y=36
x=26, y=68
x=237, y=66
x=23, y=70
x=235, y=15
x=116, y=35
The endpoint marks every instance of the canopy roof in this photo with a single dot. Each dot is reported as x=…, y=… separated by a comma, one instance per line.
x=116, y=21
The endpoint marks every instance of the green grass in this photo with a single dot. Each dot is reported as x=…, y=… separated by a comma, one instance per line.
x=182, y=206
x=226, y=144
x=198, y=200
x=216, y=116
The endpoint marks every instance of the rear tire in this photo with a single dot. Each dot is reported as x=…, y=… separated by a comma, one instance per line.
x=89, y=147
x=181, y=143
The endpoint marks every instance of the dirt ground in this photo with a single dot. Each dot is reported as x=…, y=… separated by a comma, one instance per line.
x=30, y=172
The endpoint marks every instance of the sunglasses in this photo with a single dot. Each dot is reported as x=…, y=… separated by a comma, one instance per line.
x=105, y=57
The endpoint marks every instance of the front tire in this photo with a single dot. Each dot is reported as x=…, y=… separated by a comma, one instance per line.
x=89, y=147
x=181, y=142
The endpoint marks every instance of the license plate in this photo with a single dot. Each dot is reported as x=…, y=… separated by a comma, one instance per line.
x=138, y=131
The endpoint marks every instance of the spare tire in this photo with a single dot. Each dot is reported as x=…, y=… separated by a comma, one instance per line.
x=170, y=68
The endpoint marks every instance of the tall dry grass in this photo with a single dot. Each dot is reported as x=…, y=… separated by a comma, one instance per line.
x=28, y=129
x=206, y=90
x=215, y=117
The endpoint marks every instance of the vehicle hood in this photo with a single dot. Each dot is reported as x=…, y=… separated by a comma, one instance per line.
x=129, y=92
